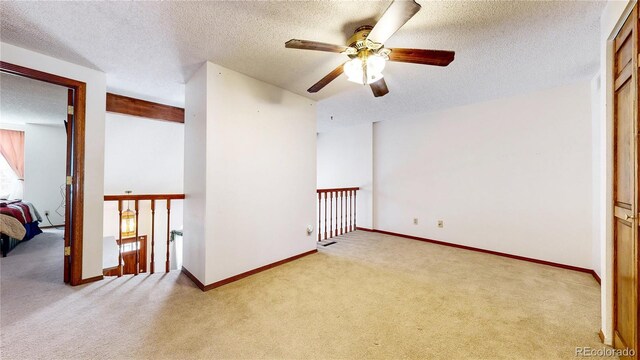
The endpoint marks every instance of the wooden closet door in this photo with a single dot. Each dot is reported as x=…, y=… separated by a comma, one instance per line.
x=625, y=184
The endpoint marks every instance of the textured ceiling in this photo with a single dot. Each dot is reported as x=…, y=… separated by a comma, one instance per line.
x=149, y=49
x=27, y=101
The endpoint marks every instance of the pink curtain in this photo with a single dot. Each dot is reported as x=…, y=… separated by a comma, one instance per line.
x=12, y=148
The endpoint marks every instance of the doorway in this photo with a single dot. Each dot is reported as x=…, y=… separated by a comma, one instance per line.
x=625, y=188
x=74, y=184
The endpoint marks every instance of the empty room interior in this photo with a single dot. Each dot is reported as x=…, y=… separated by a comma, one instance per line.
x=319, y=180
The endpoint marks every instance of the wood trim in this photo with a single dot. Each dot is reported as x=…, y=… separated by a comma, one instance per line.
x=142, y=108
x=110, y=270
x=51, y=226
x=77, y=188
x=365, y=229
x=623, y=205
x=144, y=197
x=138, y=239
x=120, y=238
x=244, y=274
x=68, y=127
x=622, y=213
x=595, y=276
x=623, y=34
x=167, y=264
x=78, y=143
x=153, y=233
x=91, y=279
x=636, y=212
x=464, y=247
x=601, y=336
x=38, y=75
x=195, y=280
x=624, y=76
x=336, y=189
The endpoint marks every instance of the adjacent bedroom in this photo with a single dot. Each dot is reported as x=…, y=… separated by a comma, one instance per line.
x=33, y=167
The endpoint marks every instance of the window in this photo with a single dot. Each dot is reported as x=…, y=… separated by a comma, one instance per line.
x=126, y=247
x=11, y=163
x=8, y=178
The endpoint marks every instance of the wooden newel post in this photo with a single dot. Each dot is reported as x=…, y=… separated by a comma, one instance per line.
x=325, y=215
x=351, y=210
x=120, y=238
x=137, y=269
x=338, y=214
x=355, y=209
x=348, y=209
x=319, y=216
x=343, y=217
x=168, y=231
x=331, y=215
x=153, y=229
x=338, y=208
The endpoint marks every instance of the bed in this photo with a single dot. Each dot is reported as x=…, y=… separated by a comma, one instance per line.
x=19, y=221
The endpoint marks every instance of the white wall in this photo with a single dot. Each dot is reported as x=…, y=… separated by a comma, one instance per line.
x=595, y=175
x=94, y=144
x=147, y=157
x=45, y=165
x=345, y=159
x=612, y=19
x=511, y=175
x=143, y=155
x=260, y=172
x=195, y=181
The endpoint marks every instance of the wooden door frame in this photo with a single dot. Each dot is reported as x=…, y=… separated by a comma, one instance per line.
x=78, y=134
x=634, y=31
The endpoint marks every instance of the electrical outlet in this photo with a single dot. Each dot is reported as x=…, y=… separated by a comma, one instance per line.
x=415, y=221
x=46, y=213
x=440, y=223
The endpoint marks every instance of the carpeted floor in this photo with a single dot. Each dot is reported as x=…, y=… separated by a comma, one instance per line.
x=368, y=296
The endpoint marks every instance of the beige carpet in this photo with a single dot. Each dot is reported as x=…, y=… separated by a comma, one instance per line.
x=368, y=296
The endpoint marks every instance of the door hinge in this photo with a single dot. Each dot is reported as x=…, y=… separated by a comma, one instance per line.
x=67, y=250
x=70, y=110
x=69, y=180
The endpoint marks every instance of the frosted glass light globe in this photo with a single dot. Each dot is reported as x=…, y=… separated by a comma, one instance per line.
x=354, y=71
x=375, y=64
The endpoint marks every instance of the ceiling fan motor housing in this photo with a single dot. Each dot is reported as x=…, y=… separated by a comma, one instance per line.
x=359, y=36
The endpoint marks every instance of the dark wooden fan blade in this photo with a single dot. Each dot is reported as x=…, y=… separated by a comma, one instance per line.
x=379, y=88
x=314, y=45
x=396, y=15
x=422, y=56
x=327, y=79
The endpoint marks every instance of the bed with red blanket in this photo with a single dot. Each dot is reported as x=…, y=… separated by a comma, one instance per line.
x=27, y=215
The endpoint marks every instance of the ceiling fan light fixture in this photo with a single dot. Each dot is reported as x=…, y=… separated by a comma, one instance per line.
x=367, y=54
x=367, y=74
x=375, y=63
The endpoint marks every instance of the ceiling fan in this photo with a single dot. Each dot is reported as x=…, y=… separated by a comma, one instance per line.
x=367, y=52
